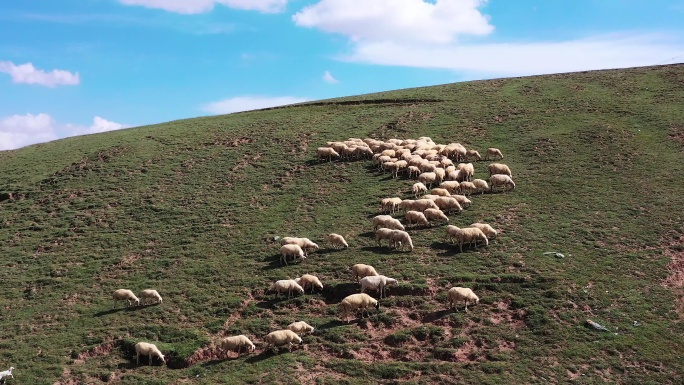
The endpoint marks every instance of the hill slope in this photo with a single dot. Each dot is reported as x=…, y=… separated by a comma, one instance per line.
x=188, y=207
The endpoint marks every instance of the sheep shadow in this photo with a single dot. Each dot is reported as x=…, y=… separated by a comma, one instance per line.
x=332, y=324
x=379, y=249
x=275, y=263
x=266, y=354
x=434, y=316
x=116, y=310
x=328, y=251
x=130, y=364
x=368, y=234
x=334, y=294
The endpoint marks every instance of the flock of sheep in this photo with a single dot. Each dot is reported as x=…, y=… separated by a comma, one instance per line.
x=428, y=162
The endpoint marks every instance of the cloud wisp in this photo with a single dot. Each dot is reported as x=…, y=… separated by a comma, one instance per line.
x=28, y=74
x=328, y=78
x=190, y=7
x=248, y=103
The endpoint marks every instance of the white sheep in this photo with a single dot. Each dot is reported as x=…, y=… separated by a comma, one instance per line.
x=418, y=189
x=435, y=214
x=6, y=373
x=440, y=174
x=326, y=153
x=400, y=239
x=355, y=302
x=390, y=205
x=286, y=285
x=487, y=229
x=441, y=191
x=472, y=155
x=386, y=221
x=301, y=327
x=151, y=295
x=147, y=349
x=423, y=204
x=305, y=243
x=360, y=271
x=236, y=342
x=451, y=186
x=290, y=249
x=462, y=200
x=448, y=204
x=469, y=171
x=413, y=171
x=415, y=217
x=427, y=178
x=308, y=280
x=467, y=188
x=501, y=180
x=125, y=295
x=383, y=233
x=480, y=185
x=499, y=168
x=336, y=240
x=457, y=294
x=377, y=282
x=493, y=152
x=282, y=337
x=466, y=236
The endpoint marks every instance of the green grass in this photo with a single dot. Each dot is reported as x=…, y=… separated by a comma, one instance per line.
x=187, y=207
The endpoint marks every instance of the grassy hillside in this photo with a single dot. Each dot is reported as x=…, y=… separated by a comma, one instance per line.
x=188, y=207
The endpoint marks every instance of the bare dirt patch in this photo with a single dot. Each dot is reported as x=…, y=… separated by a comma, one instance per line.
x=675, y=278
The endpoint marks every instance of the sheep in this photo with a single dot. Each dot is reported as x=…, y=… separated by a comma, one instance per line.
x=336, y=240
x=282, y=337
x=501, y=180
x=305, y=243
x=494, y=152
x=152, y=295
x=422, y=204
x=406, y=204
x=398, y=166
x=413, y=171
x=125, y=295
x=401, y=238
x=290, y=249
x=450, y=186
x=301, y=327
x=326, y=153
x=431, y=197
x=472, y=154
x=386, y=221
x=462, y=200
x=435, y=214
x=389, y=205
x=418, y=189
x=416, y=217
x=338, y=146
x=236, y=342
x=378, y=282
x=307, y=280
x=469, y=171
x=427, y=178
x=383, y=233
x=360, y=271
x=147, y=349
x=457, y=294
x=487, y=229
x=480, y=185
x=355, y=302
x=288, y=285
x=6, y=373
x=448, y=204
x=440, y=175
x=441, y=191
x=499, y=168
x=467, y=188
x=467, y=235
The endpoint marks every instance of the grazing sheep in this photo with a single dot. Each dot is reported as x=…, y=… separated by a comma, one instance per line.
x=451, y=186
x=431, y=197
x=282, y=337
x=416, y=217
x=386, y=221
x=413, y=171
x=326, y=153
x=457, y=294
x=448, y=204
x=467, y=188
x=290, y=249
x=466, y=236
x=307, y=280
x=418, y=189
x=462, y=200
x=499, y=168
x=440, y=174
x=501, y=180
x=125, y=295
x=400, y=239
x=377, y=282
x=336, y=240
x=406, y=204
x=152, y=295
x=301, y=327
x=286, y=285
x=355, y=302
x=147, y=349
x=472, y=155
x=480, y=185
x=360, y=271
x=389, y=205
x=487, y=229
x=6, y=373
x=427, y=178
x=423, y=204
x=435, y=214
x=383, y=233
x=441, y=191
x=236, y=342
x=469, y=171
x=493, y=152
x=305, y=243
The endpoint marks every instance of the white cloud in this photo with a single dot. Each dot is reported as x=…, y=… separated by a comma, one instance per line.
x=415, y=21
x=22, y=130
x=328, y=78
x=202, y=6
x=27, y=73
x=248, y=103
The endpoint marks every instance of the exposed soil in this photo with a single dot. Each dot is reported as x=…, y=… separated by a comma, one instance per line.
x=675, y=279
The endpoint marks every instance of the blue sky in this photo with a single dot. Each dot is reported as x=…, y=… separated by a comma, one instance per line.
x=73, y=67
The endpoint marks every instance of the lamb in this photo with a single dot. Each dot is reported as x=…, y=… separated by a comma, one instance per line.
x=480, y=185
x=487, y=229
x=467, y=235
x=307, y=280
x=336, y=240
x=286, y=285
x=401, y=238
x=457, y=294
x=416, y=217
x=236, y=342
x=472, y=154
x=125, y=295
x=377, y=282
x=282, y=337
x=493, y=152
x=386, y=221
x=6, y=373
x=355, y=302
x=301, y=327
x=383, y=233
x=418, y=189
x=151, y=295
x=389, y=205
x=147, y=349
x=360, y=271
x=441, y=191
x=499, y=168
x=467, y=188
x=291, y=249
x=427, y=178
x=435, y=214
x=326, y=153
x=501, y=180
